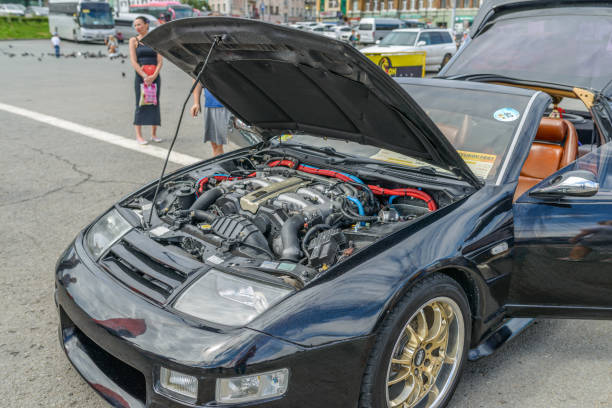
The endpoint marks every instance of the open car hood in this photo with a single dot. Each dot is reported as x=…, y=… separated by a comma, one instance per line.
x=278, y=79
x=554, y=44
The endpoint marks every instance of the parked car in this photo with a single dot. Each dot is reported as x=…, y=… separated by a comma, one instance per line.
x=11, y=10
x=324, y=29
x=363, y=248
x=343, y=33
x=124, y=24
x=375, y=29
x=415, y=24
x=437, y=43
x=36, y=11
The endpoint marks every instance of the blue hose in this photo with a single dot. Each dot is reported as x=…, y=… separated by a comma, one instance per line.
x=359, y=207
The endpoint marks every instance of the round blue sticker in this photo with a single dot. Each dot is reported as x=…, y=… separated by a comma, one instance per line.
x=506, y=115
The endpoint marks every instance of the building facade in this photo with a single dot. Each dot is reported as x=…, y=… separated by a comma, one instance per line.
x=437, y=13
x=274, y=11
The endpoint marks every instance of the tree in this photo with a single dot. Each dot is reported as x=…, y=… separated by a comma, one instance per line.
x=198, y=4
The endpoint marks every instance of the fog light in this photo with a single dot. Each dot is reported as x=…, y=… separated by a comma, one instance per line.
x=252, y=387
x=178, y=383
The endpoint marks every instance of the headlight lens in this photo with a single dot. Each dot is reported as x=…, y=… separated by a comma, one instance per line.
x=104, y=233
x=227, y=299
x=179, y=383
x=252, y=387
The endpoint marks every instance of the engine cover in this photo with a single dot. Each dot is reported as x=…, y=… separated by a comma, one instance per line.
x=251, y=201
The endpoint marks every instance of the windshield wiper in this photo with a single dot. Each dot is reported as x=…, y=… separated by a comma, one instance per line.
x=327, y=150
x=469, y=77
x=430, y=170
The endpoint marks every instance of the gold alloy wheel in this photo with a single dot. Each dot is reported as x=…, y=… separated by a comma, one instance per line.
x=426, y=356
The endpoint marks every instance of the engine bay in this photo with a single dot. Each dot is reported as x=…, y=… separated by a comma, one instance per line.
x=281, y=211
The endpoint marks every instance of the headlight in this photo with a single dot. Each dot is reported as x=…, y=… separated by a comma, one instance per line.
x=252, y=387
x=227, y=299
x=175, y=382
x=104, y=233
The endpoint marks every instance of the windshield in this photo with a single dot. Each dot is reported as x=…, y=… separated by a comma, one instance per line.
x=96, y=15
x=574, y=50
x=399, y=38
x=481, y=128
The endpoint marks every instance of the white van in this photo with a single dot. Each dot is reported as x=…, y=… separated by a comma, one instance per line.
x=438, y=44
x=372, y=29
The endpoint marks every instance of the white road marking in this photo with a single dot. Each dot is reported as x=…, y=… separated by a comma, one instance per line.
x=101, y=135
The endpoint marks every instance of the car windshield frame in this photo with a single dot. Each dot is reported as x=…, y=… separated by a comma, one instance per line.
x=530, y=52
x=477, y=161
x=400, y=37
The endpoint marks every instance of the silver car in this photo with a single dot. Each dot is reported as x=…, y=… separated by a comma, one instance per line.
x=438, y=45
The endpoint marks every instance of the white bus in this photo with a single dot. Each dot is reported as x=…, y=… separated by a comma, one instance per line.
x=81, y=20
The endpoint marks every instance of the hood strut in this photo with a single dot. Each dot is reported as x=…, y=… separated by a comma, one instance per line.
x=217, y=40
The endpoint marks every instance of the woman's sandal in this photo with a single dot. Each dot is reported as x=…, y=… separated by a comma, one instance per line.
x=142, y=142
x=157, y=139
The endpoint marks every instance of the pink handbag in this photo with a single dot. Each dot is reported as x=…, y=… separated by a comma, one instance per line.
x=148, y=94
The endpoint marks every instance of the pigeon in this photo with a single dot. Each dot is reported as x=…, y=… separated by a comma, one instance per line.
x=123, y=74
x=10, y=46
x=39, y=59
x=123, y=61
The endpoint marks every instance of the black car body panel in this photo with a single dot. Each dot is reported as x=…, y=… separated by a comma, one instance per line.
x=534, y=257
x=108, y=333
x=563, y=248
x=532, y=55
x=493, y=8
x=331, y=89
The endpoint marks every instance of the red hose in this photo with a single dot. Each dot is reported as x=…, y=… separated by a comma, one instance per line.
x=408, y=192
x=203, y=181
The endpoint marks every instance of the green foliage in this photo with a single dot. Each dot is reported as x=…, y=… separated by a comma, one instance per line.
x=198, y=4
x=12, y=27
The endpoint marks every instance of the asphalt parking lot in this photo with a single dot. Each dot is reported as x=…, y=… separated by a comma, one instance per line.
x=54, y=181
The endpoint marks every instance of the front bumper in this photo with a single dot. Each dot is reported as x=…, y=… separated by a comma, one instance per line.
x=117, y=341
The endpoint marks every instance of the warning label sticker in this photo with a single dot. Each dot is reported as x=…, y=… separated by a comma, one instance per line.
x=396, y=158
x=480, y=163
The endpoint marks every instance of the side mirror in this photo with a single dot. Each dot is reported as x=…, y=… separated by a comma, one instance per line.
x=421, y=44
x=576, y=183
x=377, y=42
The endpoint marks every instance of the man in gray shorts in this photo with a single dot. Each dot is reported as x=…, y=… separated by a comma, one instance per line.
x=216, y=119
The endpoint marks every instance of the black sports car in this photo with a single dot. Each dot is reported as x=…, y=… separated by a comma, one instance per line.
x=369, y=243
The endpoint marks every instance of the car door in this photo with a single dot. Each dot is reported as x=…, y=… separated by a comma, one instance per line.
x=430, y=57
x=563, y=244
x=437, y=47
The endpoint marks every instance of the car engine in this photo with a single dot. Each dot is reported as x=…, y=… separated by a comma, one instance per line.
x=280, y=210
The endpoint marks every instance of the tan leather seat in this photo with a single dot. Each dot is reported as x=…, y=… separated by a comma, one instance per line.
x=555, y=146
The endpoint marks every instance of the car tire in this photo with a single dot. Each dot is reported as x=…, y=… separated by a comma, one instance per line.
x=437, y=361
x=445, y=60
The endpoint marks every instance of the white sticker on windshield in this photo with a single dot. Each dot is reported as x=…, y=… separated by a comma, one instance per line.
x=506, y=115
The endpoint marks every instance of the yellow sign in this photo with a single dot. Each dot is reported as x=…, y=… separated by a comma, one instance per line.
x=400, y=64
x=480, y=163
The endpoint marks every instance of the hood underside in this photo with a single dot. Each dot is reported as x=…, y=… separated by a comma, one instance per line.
x=280, y=79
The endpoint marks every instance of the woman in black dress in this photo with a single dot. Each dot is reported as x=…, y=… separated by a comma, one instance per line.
x=147, y=63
